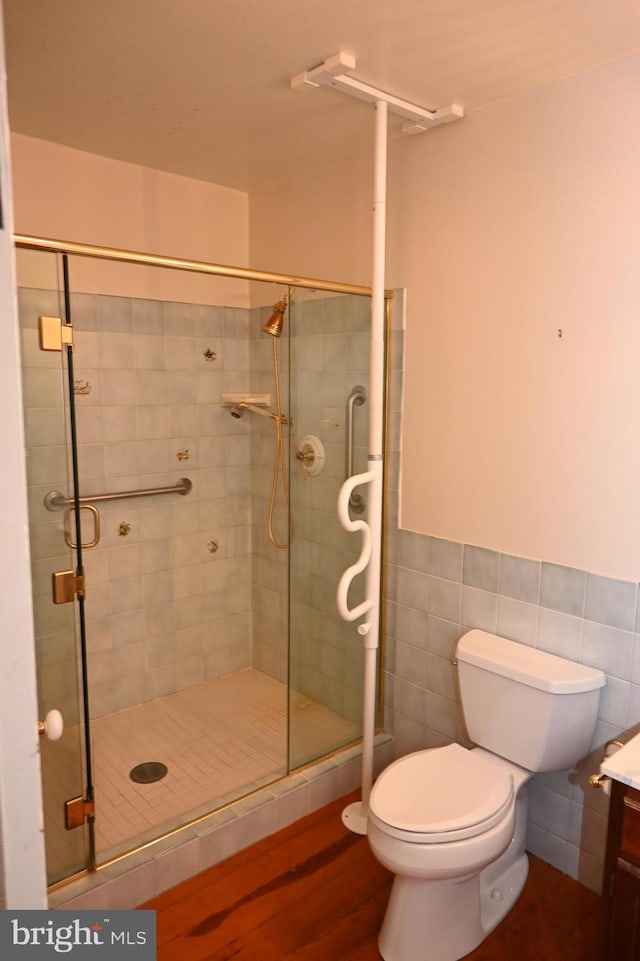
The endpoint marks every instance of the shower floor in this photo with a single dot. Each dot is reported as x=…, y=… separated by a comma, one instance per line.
x=219, y=741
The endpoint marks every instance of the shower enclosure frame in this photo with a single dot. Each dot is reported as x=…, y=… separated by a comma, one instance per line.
x=68, y=248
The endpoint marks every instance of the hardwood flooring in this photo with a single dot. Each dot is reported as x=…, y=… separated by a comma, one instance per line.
x=314, y=892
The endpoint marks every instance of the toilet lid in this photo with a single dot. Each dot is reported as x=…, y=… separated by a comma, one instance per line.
x=448, y=793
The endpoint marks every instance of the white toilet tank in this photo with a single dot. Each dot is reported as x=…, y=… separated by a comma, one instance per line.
x=533, y=708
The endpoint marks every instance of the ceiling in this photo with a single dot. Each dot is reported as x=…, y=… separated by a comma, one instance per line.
x=201, y=87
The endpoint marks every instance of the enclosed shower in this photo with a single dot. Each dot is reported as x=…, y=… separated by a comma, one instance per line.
x=185, y=561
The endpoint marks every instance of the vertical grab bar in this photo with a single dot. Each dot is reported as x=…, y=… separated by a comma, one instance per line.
x=357, y=396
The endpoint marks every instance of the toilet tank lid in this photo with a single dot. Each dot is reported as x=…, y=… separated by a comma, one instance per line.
x=529, y=666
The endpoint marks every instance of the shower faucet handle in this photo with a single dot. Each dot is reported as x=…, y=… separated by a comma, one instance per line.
x=311, y=455
x=306, y=454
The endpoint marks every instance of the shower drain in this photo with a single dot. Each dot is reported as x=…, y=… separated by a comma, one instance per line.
x=148, y=772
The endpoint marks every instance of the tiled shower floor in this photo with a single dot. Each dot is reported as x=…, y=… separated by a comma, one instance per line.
x=219, y=740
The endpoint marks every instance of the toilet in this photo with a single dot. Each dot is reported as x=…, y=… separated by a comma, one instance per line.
x=450, y=822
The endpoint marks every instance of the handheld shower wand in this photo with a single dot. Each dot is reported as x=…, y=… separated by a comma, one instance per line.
x=274, y=326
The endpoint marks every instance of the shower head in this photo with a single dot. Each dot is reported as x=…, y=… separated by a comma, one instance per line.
x=239, y=410
x=276, y=320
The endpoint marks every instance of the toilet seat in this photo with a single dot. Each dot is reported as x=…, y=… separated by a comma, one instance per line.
x=440, y=795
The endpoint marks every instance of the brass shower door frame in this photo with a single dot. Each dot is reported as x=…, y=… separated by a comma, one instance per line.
x=118, y=255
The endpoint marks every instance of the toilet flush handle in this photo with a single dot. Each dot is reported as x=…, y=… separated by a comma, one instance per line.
x=601, y=781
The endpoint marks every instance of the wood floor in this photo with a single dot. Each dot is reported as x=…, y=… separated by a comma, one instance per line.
x=314, y=892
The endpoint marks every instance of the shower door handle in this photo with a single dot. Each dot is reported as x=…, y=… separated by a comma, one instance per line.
x=52, y=726
x=96, y=526
x=357, y=396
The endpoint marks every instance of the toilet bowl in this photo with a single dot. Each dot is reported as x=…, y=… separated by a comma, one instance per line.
x=450, y=822
x=451, y=804
x=439, y=848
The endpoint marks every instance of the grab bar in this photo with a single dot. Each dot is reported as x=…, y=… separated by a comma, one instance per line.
x=55, y=501
x=344, y=501
x=357, y=396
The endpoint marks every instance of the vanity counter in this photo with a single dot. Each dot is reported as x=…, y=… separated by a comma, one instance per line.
x=624, y=765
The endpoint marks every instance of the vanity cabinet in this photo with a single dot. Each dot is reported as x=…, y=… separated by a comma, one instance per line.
x=622, y=873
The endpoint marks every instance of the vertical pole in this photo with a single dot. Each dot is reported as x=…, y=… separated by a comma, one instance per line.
x=376, y=392
x=355, y=816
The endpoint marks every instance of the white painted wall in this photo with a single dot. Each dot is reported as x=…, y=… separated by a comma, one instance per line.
x=21, y=839
x=520, y=220
x=70, y=195
x=320, y=225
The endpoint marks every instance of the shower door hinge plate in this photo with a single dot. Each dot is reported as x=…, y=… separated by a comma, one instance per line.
x=76, y=812
x=54, y=333
x=67, y=585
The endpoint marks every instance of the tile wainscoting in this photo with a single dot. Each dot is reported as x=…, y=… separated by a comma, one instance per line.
x=439, y=589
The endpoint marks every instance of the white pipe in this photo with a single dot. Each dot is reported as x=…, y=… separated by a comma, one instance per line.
x=376, y=392
x=355, y=816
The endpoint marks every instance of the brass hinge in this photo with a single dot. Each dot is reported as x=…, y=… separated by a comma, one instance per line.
x=54, y=333
x=76, y=812
x=67, y=585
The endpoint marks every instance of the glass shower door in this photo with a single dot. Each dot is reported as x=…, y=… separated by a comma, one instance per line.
x=329, y=344
x=56, y=567
x=219, y=608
